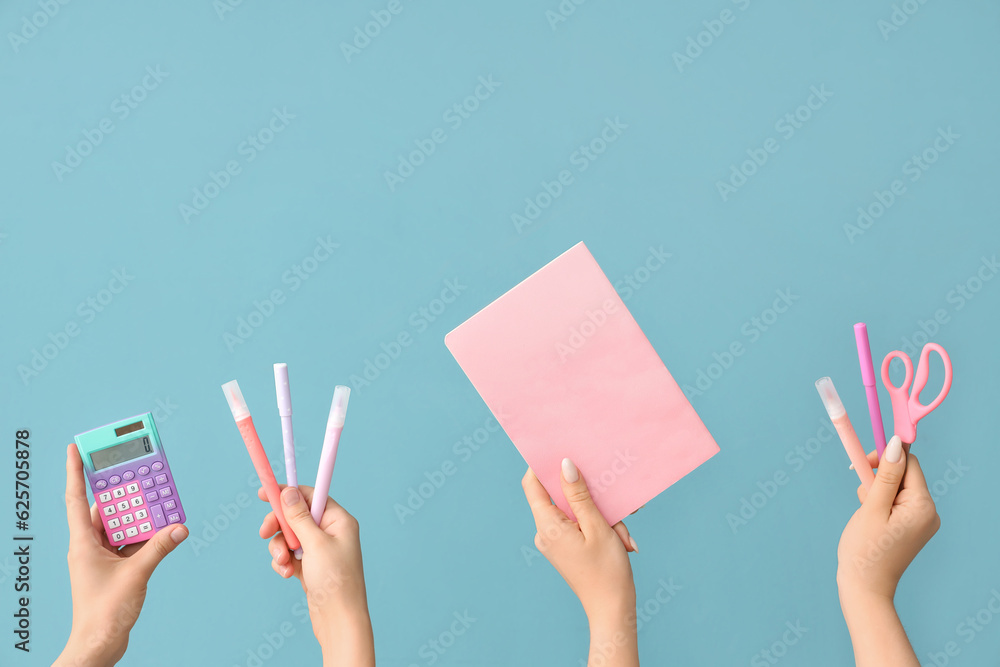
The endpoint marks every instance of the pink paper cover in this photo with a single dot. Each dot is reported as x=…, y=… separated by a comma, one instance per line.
x=567, y=372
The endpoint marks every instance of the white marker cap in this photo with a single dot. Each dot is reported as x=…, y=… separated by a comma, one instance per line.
x=281, y=388
x=338, y=410
x=831, y=400
x=236, y=402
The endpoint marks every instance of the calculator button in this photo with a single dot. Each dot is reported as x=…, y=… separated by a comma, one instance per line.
x=161, y=479
x=132, y=532
x=100, y=484
x=105, y=497
x=123, y=505
x=173, y=518
x=144, y=470
x=132, y=488
x=117, y=537
x=145, y=527
x=128, y=475
x=170, y=505
x=151, y=496
x=141, y=514
x=114, y=523
x=148, y=483
x=119, y=492
x=114, y=479
x=157, y=467
x=136, y=501
x=109, y=510
x=128, y=518
x=166, y=491
x=158, y=520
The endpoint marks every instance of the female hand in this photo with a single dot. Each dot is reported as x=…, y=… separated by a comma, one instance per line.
x=896, y=519
x=331, y=573
x=593, y=560
x=108, y=583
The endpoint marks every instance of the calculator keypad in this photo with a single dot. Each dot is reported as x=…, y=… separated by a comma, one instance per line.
x=136, y=503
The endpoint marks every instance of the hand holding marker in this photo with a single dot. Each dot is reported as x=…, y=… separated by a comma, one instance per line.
x=334, y=428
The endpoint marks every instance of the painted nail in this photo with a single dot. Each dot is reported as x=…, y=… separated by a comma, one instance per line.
x=635, y=547
x=569, y=471
x=290, y=496
x=850, y=467
x=894, y=450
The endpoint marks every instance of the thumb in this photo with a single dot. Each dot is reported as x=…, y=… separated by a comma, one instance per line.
x=298, y=516
x=890, y=473
x=156, y=549
x=575, y=489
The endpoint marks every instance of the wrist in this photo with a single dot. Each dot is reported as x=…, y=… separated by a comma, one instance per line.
x=618, y=614
x=80, y=653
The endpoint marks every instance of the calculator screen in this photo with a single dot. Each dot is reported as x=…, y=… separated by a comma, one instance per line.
x=126, y=451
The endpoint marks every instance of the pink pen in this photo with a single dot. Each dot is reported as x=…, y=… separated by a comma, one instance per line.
x=841, y=422
x=260, y=463
x=334, y=427
x=868, y=378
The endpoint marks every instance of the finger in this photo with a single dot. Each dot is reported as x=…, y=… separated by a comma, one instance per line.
x=913, y=478
x=95, y=519
x=284, y=571
x=542, y=509
x=872, y=459
x=580, y=501
x=156, y=549
x=269, y=526
x=279, y=550
x=296, y=510
x=77, y=507
x=626, y=539
x=890, y=473
x=862, y=494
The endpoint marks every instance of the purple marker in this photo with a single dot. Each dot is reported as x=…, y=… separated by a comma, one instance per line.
x=868, y=377
x=334, y=427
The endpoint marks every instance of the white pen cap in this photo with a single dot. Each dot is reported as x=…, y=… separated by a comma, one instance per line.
x=338, y=410
x=236, y=402
x=831, y=400
x=281, y=388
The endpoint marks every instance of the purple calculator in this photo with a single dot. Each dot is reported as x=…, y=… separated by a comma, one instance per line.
x=130, y=479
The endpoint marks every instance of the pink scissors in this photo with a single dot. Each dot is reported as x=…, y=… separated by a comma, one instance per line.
x=907, y=409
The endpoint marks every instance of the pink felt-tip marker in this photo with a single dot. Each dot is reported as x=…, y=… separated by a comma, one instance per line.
x=838, y=415
x=868, y=378
x=334, y=427
x=241, y=413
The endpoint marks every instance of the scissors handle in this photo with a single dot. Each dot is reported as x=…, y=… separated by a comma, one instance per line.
x=902, y=425
x=917, y=409
x=907, y=409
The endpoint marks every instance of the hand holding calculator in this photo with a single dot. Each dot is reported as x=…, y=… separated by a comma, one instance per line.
x=128, y=473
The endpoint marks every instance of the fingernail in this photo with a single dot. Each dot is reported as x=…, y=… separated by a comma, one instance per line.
x=290, y=496
x=276, y=553
x=569, y=471
x=850, y=467
x=179, y=534
x=894, y=450
x=635, y=547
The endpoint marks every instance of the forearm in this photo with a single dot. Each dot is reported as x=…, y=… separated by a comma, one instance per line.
x=613, y=637
x=876, y=631
x=349, y=643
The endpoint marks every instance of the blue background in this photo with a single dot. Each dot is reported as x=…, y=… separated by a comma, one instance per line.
x=469, y=547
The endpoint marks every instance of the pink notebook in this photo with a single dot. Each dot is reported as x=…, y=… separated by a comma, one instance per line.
x=567, y=372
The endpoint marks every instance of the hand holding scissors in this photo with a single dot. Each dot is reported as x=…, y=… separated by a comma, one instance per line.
x=907, y=409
